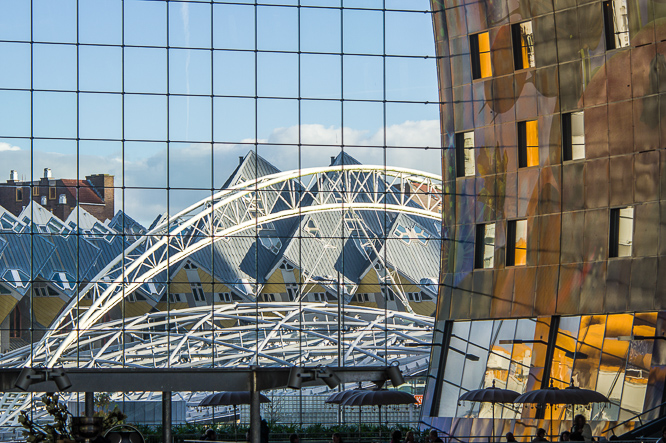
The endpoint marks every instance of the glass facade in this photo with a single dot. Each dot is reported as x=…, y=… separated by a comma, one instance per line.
x=568, y=127
x=218, y=183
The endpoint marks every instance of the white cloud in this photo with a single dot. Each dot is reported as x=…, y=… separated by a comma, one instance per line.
x=7, y=147
x=190, y=165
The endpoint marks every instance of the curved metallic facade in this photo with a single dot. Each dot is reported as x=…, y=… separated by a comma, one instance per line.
x=553, y=123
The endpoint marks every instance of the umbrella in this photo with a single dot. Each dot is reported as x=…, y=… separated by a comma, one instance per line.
x=379, y=397
x=490, y=395
x=231, y=398
x=339, y=397
x=567, y=396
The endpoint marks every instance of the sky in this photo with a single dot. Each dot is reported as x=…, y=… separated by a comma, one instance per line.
x=191, y=110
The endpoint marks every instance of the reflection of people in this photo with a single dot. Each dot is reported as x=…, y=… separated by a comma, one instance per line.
x=396, y=436
x=209, y=435
x=264, y=431
x=409, y=437
x=565, y=436
x=294, y=438
x=510, y=438
x=540, y=435
x=581, y=427
x=336, y=438
x=433, y=437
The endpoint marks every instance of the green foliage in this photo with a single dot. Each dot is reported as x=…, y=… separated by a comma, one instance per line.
x=34, y=433
x=111, y=417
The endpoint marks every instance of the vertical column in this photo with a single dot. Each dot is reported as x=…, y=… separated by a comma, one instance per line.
x=166, y=417
x=255, y=412
x=90, y=404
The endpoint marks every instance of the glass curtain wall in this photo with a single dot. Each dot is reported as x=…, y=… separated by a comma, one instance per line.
x=134, y=135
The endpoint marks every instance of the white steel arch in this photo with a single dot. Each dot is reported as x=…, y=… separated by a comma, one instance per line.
x=240, y=207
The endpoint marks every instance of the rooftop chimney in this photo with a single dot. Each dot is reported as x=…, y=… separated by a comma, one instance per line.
x=332, y=159
x=47, y=172
x=13, y=175
x=240, y=159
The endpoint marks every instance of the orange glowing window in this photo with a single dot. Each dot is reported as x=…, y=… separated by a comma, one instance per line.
x=516, y=251
x=528, y=144
x=480, y=50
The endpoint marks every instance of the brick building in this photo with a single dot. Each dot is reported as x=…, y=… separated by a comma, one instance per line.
x=60, y=196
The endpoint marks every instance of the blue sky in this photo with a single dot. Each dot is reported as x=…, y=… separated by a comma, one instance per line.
x=207, y=134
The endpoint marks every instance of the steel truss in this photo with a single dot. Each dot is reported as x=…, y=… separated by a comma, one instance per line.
x=244, y=206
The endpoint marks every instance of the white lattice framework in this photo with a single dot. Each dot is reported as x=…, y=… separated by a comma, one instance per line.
x=231, y=211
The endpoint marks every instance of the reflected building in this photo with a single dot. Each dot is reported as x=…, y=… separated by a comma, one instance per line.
x=553, y=247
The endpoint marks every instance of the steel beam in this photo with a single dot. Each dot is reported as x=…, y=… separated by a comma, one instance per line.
x=186, y=380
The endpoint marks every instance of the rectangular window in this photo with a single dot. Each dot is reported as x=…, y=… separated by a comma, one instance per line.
x=388, y=294
x=621, y=232
x=19, y=194
x=224, y=297
x=573, y=136
x=414, y=297
x=516, y=243
x=484, y=253
x=616, y=24
x=292, y=291
x=35, y=191
x=528, y=144
x=197, y=291
x=480, y=50
x=52, y=193
x=523, y=45
x=465, y=166
x=319, y=296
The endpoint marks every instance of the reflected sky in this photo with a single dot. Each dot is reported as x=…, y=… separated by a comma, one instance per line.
x=197, y=95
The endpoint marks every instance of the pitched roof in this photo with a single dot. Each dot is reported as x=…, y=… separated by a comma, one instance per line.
x=86, y=192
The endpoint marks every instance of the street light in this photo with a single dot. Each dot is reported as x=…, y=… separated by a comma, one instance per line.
x=29, y=376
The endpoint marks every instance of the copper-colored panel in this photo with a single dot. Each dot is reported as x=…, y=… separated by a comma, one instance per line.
x=662, y=104
x=549, y=239
x=596, y=80
x=617, y=284
x=460, y=296
x=564, y=4
x=502, y=54
x=465, y=248
x=571, y=89
x=511, y=195
x=476, y=17
x=502, y=293
x=549, y=190
x=461, y=72
x=523, y=300
x=596, y=132
x=596, y=238
x=550, y=139
x=546, y=285
x=620, y=128
x=463, y=108
x=508, y=160
x=646, y=123
x=444, y=298
x=568, y=46
x=646, y=237
x=525, y=96
x=573, y=186
x=568, y=292
x=483, y=114
x=641, y=61
x=456, y=22
x=465, y=194
x=449, y=165
x=503, y=104
x=660, y=292
x=546, y=82
x=485, y=198
x=621, y=180
x=596, y=183
x=573, y=228
x=594, y=284
x=591, y=25
x=532, y=240
x=544, y=30
x=482, y=293
x=485, y=160
x=618, y=70
x=643, y=283
x=528, y=196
